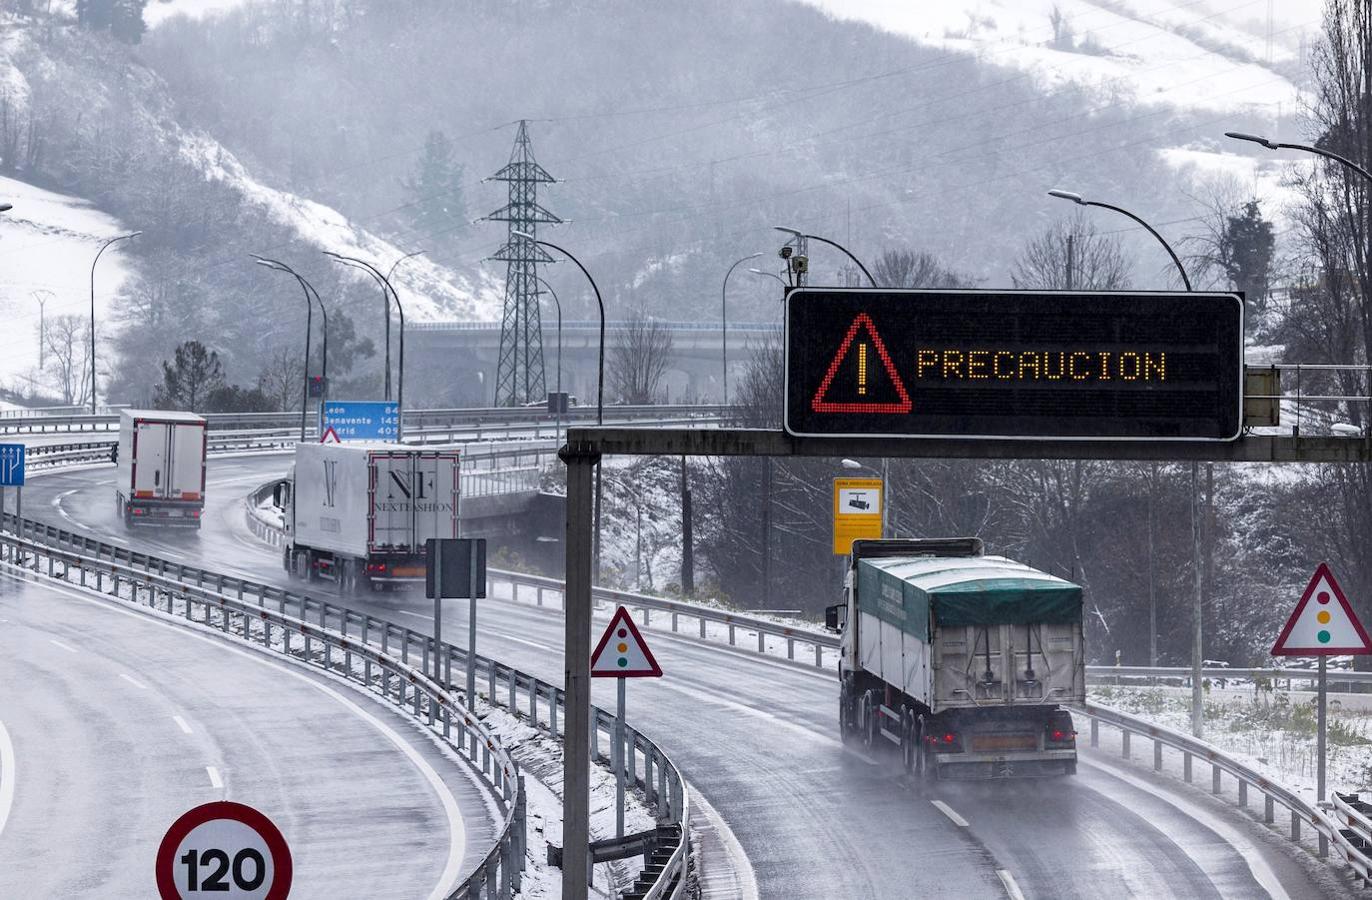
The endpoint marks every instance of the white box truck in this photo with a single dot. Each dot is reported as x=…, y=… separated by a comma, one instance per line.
x=960, y=659
x=360, y=513
x=160, y=466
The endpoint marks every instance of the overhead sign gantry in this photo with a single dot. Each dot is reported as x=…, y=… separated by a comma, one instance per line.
x=1014, y=364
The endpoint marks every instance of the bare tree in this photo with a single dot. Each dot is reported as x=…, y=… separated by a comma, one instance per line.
x=638, y=361
x=280, y=378
x=1096, y=261
x=68, y=347
x=916, y=269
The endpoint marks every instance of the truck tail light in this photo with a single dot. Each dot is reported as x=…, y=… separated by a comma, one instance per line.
x=1061, y=736
x=138, y=511
x=947, y=742
x=377, y=568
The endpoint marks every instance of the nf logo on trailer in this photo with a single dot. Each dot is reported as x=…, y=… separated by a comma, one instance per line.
x=1014, y=364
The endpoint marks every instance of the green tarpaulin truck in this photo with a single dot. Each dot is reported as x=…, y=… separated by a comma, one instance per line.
x=960, y=659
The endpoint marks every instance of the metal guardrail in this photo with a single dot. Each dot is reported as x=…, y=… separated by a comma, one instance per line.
x=1120, y=674
x=646, y=766
x=414, y=419
x=340, y=652
x=1348, y=809
x=1347, y=842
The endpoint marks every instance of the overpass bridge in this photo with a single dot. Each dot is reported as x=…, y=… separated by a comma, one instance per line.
x=464, y=355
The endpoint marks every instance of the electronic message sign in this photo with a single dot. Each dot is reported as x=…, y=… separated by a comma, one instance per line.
x=1014, y=364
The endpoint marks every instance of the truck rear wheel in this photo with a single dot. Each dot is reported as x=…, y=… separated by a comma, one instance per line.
x=909, y=745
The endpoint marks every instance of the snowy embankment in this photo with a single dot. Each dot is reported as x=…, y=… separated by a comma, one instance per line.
x=47, y=244
x=1272, y=731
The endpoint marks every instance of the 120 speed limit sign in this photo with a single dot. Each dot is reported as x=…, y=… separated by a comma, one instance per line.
x=223, y=850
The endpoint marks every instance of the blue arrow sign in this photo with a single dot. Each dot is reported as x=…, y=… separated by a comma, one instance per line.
x=11, y=465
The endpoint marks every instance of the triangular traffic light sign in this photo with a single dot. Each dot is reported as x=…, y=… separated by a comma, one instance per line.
x=1326, y=627
x=329, y=433
x=622, y=652
x=859, y=392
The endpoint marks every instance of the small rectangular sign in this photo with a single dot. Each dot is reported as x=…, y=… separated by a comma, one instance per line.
x=455, y=557
x=362, y=420
x=1001, y=364
x=857, y=512
x=11, y=465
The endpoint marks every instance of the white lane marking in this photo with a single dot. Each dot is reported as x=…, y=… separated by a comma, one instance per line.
x=738, y=860
x=215, y=781
x=7, y=776
x=56, y=643
x=1262, y=872
x=457, y=828
x=133, y=681
x=951, y=813
x=406, y=612
x=181, y=723
x=1011, y=887
x=504, y=637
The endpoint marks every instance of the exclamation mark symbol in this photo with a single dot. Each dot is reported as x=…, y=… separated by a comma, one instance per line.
x=862, y=369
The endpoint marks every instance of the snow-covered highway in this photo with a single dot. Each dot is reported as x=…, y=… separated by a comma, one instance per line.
x=757, y=739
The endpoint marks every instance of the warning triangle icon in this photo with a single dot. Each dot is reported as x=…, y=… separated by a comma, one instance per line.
x=862, y=378
x=329, y=436
x=1323, y=622
x=622, y=652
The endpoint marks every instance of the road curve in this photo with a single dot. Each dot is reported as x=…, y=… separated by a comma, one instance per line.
x=120, y=722
x=757, y=738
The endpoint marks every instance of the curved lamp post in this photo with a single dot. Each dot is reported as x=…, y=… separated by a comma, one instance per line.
x=103, y=248
x=396, y=295
x=724, y=321
x=1306, y=148
x=600, y=378
x=1077, y=199
x=1197, y=723
x=278, y=266
x=780, y=280
x=835, y=244
x=387, y=291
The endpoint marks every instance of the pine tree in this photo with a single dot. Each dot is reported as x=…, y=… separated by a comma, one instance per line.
x=1246, y=249
x=126, y=20
x=435, y=188
x=190, y=378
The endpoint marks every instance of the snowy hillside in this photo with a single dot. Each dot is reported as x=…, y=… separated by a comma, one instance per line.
x=47, y=244
x=1206, y=55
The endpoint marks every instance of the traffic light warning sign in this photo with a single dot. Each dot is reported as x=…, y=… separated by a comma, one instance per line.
x=1325, y=627
x=862, y=378
x=622, y=652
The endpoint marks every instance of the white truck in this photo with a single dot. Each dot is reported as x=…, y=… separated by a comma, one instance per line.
x=960, y=659
x=160, y=466
x=360, y=513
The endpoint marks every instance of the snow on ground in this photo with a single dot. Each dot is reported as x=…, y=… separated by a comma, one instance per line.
x=158, y=11
x=1266, y=178
x=429, y=292
x=47, y=244
x=1161, y=51
x=1271, y=730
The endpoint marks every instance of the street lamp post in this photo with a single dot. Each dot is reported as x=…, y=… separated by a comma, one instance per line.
x=1197, y=696
x=724, y=322
x=834, y=244
x=557, y=304
x=98, y=253
x=278, y=266
x=388, y=292
x=780, y=280
x=1306, y=148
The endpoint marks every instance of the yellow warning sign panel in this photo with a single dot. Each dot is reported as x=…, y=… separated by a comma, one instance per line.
x=857, y=511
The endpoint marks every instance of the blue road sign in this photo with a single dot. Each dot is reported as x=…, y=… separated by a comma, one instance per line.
x=11, y=465
x=362, y=420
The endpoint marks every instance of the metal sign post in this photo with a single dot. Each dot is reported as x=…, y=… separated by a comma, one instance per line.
x=622, y=653
x=1322, y=629
x=456, y=568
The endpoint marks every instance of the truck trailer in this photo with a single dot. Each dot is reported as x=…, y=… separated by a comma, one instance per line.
x=160, y=468
x=360, y=513
x=962, y=660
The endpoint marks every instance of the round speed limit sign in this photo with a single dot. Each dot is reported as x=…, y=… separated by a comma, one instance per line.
x=223, y=850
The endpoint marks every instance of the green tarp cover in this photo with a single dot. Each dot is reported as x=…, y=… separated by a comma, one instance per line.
x=979, y=590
